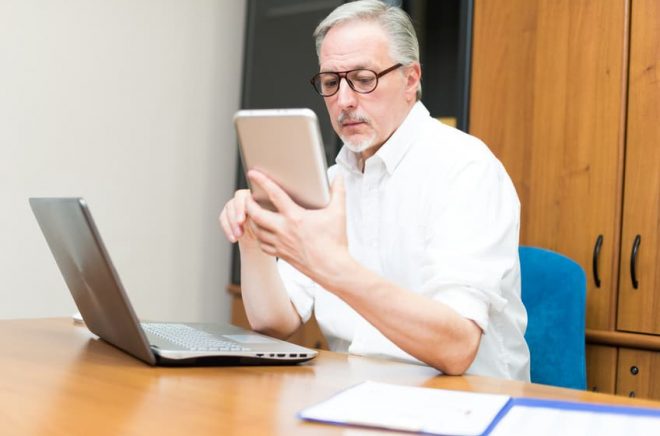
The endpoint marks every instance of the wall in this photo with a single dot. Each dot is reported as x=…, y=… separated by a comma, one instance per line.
x=129, y=104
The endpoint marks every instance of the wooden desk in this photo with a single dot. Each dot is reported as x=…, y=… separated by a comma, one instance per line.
x=57, y=378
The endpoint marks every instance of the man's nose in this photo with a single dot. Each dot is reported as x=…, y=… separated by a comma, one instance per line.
x=346, y=97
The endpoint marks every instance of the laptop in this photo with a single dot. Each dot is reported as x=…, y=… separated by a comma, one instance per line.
x=103, y=303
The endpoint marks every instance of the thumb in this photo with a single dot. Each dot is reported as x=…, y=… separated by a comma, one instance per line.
x=337, y=192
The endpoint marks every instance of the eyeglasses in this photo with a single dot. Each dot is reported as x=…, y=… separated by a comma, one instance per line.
x=361, y=80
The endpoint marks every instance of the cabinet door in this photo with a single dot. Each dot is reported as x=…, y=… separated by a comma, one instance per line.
x=601, y=368
x=638, y=373
x=639, y=307
x=547, y=96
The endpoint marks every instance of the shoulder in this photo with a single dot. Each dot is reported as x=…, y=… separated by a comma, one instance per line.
x=449, y=150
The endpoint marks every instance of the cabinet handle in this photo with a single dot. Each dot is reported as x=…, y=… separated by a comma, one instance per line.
x=599, y=244
x=633, y=261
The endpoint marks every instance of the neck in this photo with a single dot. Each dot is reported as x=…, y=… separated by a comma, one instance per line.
x=366, y=154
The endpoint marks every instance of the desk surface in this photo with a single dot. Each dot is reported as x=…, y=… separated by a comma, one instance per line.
x=57, y=378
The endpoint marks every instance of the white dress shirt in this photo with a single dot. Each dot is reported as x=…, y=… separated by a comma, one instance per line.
x=435, y=213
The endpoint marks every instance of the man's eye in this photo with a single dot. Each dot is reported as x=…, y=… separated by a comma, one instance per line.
x=329, y=83
x=364, y=78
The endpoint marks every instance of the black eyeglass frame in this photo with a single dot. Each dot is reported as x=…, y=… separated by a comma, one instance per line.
x=344, y=75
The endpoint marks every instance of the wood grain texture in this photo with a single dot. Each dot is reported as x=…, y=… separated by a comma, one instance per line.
x=639, y=309
x=548, y=98
x=58, y=379
x=623, y=339
x=638, y=374
x=601, y=368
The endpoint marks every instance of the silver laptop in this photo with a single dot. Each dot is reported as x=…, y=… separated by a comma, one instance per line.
x=99, y=295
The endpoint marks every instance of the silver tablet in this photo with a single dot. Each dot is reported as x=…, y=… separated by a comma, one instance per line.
x=286, y=145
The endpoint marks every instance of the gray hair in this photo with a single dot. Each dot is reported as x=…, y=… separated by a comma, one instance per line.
x=404, y=47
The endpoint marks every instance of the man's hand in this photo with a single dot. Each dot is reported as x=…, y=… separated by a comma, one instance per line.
x=315, y=243
x=265, y=299
x=234, y=220
x=312, y=241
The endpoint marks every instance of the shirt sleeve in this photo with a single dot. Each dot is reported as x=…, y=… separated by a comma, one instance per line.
x=473, y=241
x=300, y=289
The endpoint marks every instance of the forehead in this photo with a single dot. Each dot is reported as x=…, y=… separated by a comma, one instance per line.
x=354, y=44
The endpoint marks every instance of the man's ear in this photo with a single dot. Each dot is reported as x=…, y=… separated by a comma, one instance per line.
x=413, y=76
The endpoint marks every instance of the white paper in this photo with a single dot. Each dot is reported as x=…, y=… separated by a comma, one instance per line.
x=541, y=421
x=435, y=411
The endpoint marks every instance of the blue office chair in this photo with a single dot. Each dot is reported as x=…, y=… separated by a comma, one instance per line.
x=554, y=294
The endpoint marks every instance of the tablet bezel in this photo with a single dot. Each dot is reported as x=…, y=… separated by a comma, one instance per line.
x=286, y=145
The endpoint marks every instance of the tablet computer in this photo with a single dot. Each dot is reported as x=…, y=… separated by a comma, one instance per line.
x=286, y=145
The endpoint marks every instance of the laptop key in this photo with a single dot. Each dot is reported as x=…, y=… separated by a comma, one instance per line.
x=191, y=338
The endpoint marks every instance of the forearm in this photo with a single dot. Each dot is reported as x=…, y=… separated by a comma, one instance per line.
x=428, y=330
x=267, y=304
x=315, y=242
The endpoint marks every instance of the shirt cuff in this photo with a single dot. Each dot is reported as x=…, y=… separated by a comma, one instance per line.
x=470, y=303
x=300, y=289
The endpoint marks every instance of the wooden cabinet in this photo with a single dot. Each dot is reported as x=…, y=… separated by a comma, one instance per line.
x=601, y=368
x=639, y=306
x=548, y=97
x=567, y=95
x=638, y=373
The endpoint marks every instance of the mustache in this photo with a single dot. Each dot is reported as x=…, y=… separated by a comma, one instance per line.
x=353, y=117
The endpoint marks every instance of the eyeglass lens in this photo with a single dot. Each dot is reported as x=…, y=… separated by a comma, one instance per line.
x=360, y=80
x=363, y=81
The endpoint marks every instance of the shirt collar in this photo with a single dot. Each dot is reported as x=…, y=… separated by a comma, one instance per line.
x=392, y=152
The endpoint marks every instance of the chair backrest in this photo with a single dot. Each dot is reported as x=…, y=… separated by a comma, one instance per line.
x=554, y=293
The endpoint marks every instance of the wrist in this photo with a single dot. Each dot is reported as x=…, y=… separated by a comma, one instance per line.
x=341, y=272
x=250, y=248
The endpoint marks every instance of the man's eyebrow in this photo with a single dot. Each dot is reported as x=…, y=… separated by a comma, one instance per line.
x=357, y=67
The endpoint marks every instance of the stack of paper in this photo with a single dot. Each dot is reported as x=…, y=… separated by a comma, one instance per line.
x=443, y=412
x=434, y=411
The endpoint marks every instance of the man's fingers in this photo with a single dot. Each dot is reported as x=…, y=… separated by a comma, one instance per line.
x=268, y=249
x=232, y=218
x=239, y=205
x=276, y=195
x=264, y=236
x=234, y=224
x=226, y=227
x=261, y=217
x=267, y=240
x=232, y=227
x=337, y=188
x=338, y=193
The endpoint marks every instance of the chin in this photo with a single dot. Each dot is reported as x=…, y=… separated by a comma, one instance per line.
x=359, y=142
x=358, y=146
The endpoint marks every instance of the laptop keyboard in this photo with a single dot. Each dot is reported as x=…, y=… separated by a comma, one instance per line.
x=191, y=338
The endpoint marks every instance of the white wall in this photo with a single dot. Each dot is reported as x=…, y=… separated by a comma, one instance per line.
x=129, y=104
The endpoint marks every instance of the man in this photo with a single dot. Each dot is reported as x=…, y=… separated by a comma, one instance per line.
x=415, y=257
